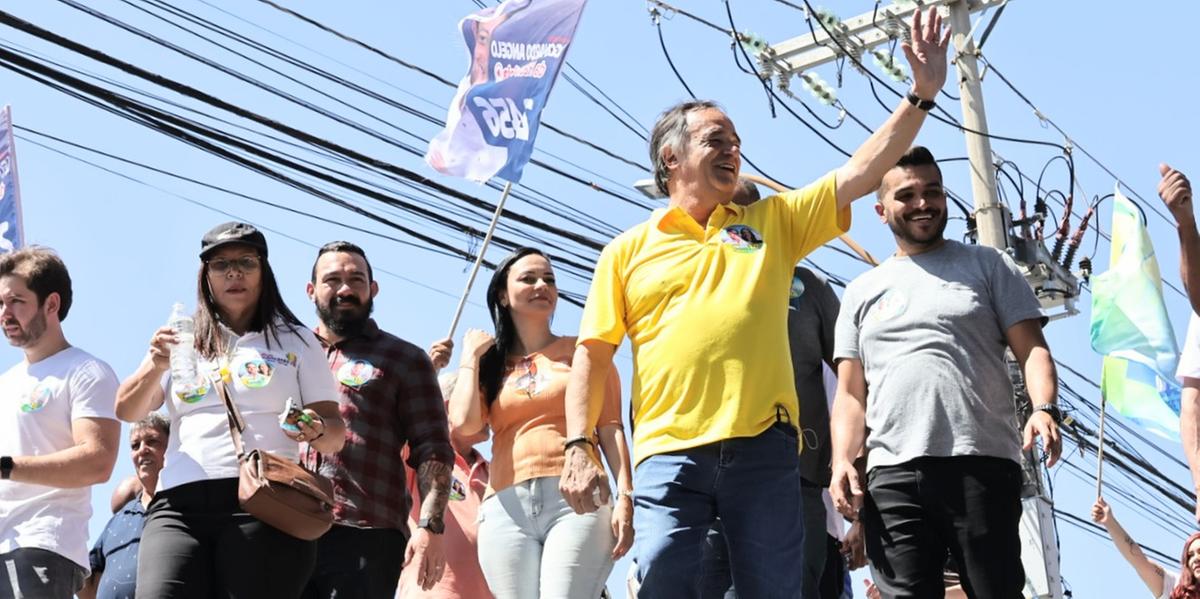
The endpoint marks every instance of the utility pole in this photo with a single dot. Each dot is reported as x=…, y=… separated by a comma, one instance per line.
x=1054, y=284
x=991, y=217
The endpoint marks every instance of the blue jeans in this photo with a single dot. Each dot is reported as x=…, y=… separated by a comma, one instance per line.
x=752, y=484
x=532, y=545
x=715, y=579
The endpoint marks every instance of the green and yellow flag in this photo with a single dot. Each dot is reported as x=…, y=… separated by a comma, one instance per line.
x=1131, y=329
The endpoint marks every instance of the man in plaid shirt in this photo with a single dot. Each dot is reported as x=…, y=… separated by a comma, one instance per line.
x=392, y=400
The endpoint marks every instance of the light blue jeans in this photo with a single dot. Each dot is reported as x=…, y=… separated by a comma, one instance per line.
x=533, y=545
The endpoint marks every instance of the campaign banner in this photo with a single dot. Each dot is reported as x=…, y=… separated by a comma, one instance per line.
x=516, y=50
x=12, y=235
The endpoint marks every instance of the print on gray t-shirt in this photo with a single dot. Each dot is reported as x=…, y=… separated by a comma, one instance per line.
x=929, y=330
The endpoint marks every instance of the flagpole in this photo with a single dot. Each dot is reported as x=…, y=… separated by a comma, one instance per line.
x=1100, y=448
x=487, y=239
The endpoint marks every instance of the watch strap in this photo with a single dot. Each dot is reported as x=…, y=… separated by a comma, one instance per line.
x=916, y=100
x=435, y=525
x=6, y=467
x=1052, y=409
x=576, y=441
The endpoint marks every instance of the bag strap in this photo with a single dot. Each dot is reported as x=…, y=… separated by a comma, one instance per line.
x=236, y=424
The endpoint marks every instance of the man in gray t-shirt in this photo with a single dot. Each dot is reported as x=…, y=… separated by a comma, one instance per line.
x=920, y=345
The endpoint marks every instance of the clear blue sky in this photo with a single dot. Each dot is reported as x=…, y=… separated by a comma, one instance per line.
x=1115, y=81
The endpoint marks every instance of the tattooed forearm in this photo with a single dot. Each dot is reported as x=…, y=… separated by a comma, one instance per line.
x=433, y=481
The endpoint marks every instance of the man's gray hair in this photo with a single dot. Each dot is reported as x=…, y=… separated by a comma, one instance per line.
x=671, y=131
x=154, y=420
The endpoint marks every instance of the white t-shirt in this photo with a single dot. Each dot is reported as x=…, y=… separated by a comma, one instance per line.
x=1189, y=358
x=38, y=402
x=1170, y=579
x=260, y=381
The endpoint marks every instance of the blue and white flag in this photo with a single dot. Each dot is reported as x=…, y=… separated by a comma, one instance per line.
x=516, y=51
x=12, y=235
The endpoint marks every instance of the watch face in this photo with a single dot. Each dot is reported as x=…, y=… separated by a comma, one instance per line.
x=434, y=525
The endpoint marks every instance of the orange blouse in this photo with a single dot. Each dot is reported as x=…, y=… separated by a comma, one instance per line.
x=528, y=418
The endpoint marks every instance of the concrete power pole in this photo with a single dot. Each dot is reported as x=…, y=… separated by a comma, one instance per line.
x=1039, y=551
x=991, y=217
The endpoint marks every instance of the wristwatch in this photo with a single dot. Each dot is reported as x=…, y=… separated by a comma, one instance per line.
x=576, y=441
x=6, y=467
x=434, y=525
x=916, y=100
x=1051, y=409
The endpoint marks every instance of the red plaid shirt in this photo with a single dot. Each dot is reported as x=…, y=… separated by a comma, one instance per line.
x=391, y=399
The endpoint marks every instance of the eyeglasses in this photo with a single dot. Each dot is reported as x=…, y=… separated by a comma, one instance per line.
x=244, y=264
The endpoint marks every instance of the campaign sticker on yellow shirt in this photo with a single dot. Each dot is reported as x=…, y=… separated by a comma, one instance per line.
x=38, y=397
x=255, y=373
x=356, y=373
x=743, y=238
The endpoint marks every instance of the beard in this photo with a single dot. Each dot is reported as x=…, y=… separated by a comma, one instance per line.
x=28, y=334
x=344, y=322
x=897, y=225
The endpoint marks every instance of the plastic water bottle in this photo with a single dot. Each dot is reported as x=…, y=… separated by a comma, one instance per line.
x=184, y=376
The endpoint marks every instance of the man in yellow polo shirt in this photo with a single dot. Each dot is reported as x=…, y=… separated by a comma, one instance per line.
x=701, y=290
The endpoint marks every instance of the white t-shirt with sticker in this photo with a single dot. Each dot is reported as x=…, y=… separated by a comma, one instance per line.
x=260, y=380
x=38, y=403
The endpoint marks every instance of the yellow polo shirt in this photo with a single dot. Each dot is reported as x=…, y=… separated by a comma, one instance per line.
x=706, y=312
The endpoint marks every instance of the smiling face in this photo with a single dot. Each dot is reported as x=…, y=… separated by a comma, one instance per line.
x=147, y=446
x=711, y=155
x=1192, y=561
x=912, y=202
x=23, y=318
x=531, y=288
x=236, y=289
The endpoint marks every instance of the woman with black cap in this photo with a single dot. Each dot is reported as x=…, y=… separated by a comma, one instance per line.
x=197, y=541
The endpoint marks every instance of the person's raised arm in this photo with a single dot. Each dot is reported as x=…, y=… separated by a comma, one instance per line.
x=1148, y=571
x=465, y=410
x=583, y=475
x=848, y=432
x=926, y=55
x=88, y=462
x=1041, y=382
x=1176, y=192
x=142, y=392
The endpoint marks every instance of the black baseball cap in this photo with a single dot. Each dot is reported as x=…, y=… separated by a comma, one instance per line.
x=232, y=232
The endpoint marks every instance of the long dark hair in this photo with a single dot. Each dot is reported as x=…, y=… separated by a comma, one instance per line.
x=492, y=364
x=270, y=312
x=1187, y=587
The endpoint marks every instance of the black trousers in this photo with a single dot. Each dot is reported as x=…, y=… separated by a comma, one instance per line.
x=198, y=543
x=32, y=573
x=969, y=506
x=357, y=563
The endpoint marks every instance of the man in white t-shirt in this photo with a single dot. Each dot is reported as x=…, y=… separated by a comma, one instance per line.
x=1176, y=192
x=58, y=433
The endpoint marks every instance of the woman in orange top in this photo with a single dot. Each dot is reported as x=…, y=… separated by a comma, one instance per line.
x=531, y=543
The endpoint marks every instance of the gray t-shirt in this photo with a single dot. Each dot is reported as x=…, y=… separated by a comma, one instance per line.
x=929, y=330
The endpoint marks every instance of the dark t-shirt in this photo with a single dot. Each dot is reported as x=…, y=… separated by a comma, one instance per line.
x=812, y=314
x=115, y=555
